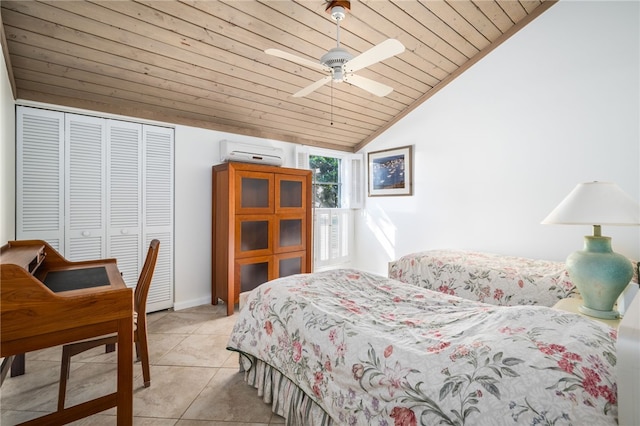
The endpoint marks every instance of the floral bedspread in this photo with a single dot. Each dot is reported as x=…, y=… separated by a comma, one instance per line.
x=486, y=277
x=374, y=351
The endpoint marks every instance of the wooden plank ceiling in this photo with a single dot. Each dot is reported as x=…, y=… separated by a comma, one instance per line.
x=202, y=63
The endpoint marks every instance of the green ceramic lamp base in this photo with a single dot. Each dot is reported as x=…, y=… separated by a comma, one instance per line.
x=600, y=275
x=599, y=314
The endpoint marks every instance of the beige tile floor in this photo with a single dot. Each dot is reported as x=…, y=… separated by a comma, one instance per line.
x=194, y=379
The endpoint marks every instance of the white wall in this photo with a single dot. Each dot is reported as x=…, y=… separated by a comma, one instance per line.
x=7, y=157
x=196, y=151
x=498, y=148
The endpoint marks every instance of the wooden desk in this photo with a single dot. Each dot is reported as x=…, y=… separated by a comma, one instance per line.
x=33, y=317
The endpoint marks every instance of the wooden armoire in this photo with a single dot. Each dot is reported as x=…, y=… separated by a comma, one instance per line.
x=261, y=227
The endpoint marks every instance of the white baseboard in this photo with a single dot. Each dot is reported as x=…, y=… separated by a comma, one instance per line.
x=192, y=303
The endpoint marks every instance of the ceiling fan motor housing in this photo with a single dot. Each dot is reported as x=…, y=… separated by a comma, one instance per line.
x=335, y=59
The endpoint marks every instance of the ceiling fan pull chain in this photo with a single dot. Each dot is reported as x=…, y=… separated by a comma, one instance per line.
x=332, y=102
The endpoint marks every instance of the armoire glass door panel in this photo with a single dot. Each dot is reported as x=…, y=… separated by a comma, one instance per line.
x=254, y=193
x=252, y=272
x=290, y=264
x=290, y=233
x=254, y=235
x=291, y=193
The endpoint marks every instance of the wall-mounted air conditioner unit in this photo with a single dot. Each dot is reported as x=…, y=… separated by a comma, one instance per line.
x=247, y=153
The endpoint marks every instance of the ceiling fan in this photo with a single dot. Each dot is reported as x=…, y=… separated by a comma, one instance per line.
x=340, y=64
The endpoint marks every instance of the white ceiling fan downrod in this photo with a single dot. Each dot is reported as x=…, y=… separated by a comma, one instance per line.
x=337, y=57
x=338, y=14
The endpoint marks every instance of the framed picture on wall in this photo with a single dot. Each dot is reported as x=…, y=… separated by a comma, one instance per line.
x=390, y=172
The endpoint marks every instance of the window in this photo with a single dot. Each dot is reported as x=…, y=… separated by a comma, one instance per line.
x=327, y=185
x=337, y=190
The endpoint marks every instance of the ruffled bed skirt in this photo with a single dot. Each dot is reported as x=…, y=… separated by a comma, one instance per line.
x=286, y=399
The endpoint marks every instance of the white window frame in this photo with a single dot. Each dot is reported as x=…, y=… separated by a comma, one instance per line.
x=351, y=173
x=333, y=230
x=333, y=238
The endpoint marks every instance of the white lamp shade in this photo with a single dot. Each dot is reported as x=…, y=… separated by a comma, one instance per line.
x=596, y=203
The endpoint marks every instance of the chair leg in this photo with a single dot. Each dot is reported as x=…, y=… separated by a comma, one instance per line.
x=64, y=375
x=143, y=350
x=74, y=349
x=6, y=366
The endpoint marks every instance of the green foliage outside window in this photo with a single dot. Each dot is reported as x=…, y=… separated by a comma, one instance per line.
x=326, y=181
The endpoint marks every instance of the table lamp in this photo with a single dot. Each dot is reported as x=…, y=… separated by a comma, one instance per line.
x=599, y=274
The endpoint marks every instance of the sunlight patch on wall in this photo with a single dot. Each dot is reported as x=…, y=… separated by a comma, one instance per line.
x=384, y=231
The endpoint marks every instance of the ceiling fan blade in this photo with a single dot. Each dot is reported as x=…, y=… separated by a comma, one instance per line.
x=377, y=53
x=297, y=59
x=370, y=86
x=314, y=86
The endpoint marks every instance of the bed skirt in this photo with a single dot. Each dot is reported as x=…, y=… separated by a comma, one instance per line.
x=286, y=399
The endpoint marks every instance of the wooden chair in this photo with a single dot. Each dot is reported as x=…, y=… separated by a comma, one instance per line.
x=139, y=328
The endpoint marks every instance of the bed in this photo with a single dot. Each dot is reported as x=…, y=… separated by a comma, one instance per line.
x=348, y=347
x=486, y=277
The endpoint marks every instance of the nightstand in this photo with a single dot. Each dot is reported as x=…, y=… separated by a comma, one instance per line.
x=572, y=304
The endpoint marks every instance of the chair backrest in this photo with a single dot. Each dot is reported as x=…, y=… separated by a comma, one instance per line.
x=144, y=281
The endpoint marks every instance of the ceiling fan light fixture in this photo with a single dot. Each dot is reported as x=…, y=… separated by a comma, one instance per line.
x=335, y=59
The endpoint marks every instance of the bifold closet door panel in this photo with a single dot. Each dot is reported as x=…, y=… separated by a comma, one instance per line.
x=85, y=187
x=124, y=189
x=157, y=210
x=40, y=176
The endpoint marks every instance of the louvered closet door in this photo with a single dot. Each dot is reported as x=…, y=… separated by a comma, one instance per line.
x=158, y=210
x=40, y=177
x=124, y=186
x=85, y=186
